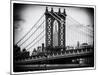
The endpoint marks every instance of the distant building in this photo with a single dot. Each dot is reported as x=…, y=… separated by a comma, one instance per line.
x=84, y=45
x=39, y=49
x=34, y=51
x=69, y=47
x=43, y=47
x=78, y=44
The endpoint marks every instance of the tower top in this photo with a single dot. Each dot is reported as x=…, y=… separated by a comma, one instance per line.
x=51, y=9
x=46, y=9
x=59, y=11
x=64, y=12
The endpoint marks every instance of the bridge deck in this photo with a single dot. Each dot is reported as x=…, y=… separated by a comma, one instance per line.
x=58, y=56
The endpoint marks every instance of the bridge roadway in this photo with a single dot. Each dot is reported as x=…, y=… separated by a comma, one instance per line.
x=71, y=53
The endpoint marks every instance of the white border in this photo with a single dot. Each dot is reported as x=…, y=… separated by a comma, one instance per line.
x=57, y=4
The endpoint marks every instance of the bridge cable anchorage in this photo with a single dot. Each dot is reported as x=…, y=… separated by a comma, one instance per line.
x=34, y=39
x=30, y=29
x=55, y=17
x=36, y=42
x=32, y=33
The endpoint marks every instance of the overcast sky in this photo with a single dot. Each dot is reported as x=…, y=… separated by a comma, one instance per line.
x=25, y=16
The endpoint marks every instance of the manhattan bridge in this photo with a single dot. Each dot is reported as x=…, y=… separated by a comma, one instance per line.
x=53, y=53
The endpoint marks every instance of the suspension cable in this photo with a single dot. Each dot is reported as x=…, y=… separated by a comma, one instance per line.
x=30, y=29
x=75, y=30
x=55, y=17
x=79, y=23
x=32, y=33
x=36, y=42
x=35, y=39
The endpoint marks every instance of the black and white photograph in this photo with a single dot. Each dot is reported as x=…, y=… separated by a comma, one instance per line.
x=48, y=36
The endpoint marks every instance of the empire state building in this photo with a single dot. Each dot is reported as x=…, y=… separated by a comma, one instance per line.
x=55, y=33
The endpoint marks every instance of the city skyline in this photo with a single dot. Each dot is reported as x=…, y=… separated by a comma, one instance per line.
x=51, y=37
x=27, y=16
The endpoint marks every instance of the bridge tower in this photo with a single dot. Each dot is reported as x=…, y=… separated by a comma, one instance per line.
x=55, y=29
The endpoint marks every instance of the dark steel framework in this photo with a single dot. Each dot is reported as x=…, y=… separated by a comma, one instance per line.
x=60, y=17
